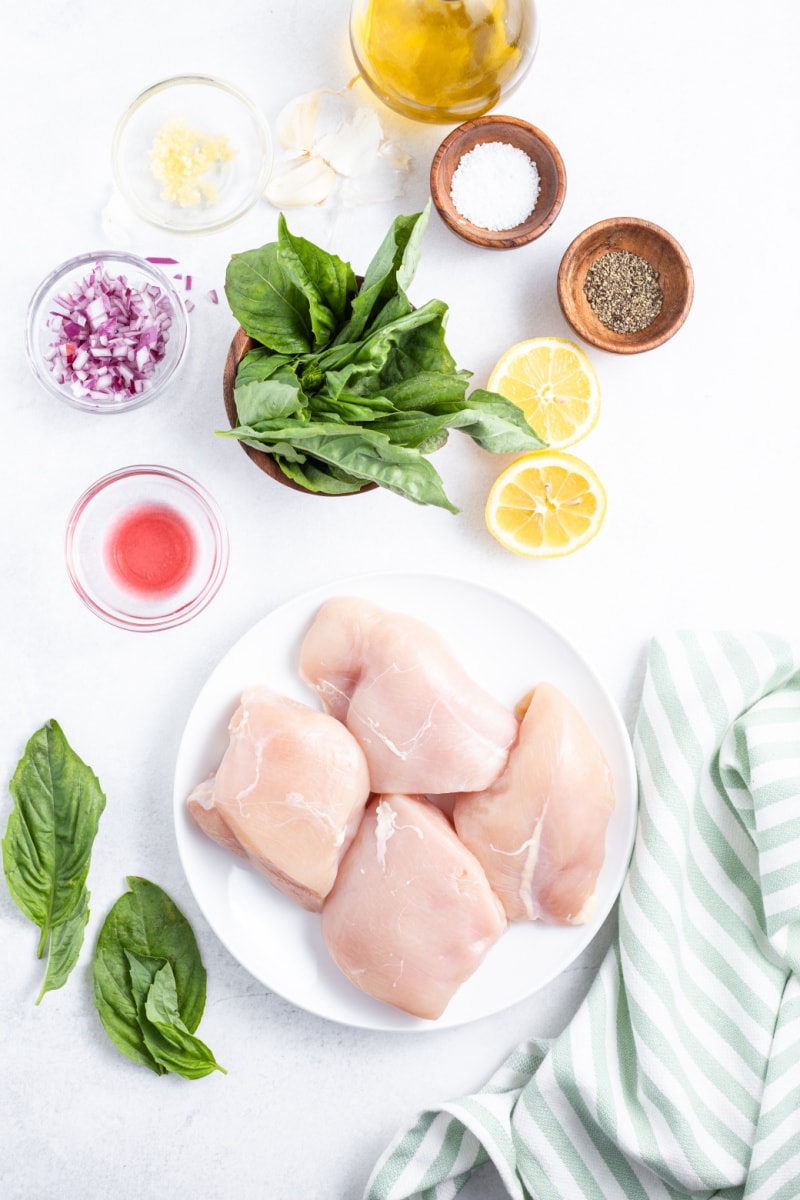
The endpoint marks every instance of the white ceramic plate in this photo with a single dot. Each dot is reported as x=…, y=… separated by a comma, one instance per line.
x=505, y=647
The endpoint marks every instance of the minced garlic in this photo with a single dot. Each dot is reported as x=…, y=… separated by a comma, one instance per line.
x=179, y=158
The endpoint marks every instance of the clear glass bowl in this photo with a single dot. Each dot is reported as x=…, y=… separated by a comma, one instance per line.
x=146, y=548
x=217, y=158
x=443, y=60
x=42, y=331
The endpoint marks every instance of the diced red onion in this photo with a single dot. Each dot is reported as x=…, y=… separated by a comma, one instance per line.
x=110, y=336
x=164, y=261
x=214, y=296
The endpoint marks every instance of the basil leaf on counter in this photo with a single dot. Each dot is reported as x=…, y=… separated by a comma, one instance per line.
x=169, y=1042
x=47, y=847
x=66, y=942
x=145, y=927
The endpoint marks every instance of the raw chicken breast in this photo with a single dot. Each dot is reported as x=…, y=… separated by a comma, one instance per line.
x=411, y=915
x=539, y=831
x=288, y=794
x=201, y=806
x=423, y=724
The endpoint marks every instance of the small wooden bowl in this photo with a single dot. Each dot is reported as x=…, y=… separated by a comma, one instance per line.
x=664, y=255
x=514, y=132
x=240, y=346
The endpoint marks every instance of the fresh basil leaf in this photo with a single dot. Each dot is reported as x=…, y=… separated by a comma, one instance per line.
x=350, y=409
x=318, y=477
x=264, y=400
x=495, y=423
x=396, y=307
x=144, y=921
x=266, y=301
x=408, y=233
x=272, y=435
x=409, y=345
x=364, y=453
x=47, y=847
x=260, y=363
x=432, y=441
x=327, y=283
x=416, y=429
x=64, y=947
x=414, y=342
x=390, y=271
x=430, y=392
x=404, y=323
x=168, y=1040
x=371, y=456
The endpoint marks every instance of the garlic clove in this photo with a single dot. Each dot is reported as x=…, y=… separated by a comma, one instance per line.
x=309, y=181
x=295, y=123
x=326, y=139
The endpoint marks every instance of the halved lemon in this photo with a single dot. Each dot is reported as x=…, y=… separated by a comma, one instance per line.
x=555, y=385
x=546, y=504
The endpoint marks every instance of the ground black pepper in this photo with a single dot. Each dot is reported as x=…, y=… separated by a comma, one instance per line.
x=623, y=291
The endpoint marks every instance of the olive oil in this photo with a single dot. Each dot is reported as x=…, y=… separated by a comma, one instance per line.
x=442, y=60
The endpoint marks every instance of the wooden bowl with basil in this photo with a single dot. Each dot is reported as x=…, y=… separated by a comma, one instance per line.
x=336, y=383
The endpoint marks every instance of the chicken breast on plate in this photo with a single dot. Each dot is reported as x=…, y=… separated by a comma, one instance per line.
x=539, y=830
x=411, y=915
x=288, y=794
x=423, y=724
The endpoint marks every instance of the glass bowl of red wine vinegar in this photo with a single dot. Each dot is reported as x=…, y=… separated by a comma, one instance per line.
x=146, y=548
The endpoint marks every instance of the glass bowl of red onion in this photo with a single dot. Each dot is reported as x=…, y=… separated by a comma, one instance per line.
x=146, y=548
x=106, y=332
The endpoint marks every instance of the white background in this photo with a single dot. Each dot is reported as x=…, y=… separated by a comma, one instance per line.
x=683, y=113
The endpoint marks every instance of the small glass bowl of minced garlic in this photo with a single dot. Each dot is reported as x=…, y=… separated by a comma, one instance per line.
x=191, y=154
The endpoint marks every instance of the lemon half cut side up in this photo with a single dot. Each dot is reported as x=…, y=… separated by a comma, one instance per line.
x=554, y=383
x=546, y=505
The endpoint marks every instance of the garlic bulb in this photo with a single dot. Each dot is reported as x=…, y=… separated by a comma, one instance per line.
x=334, y=146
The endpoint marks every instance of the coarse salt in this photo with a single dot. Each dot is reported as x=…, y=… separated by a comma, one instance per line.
x=495, y=186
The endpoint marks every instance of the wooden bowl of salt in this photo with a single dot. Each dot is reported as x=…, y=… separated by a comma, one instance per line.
x=498, y=182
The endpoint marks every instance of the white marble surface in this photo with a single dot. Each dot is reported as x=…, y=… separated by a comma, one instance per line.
x=683, y=113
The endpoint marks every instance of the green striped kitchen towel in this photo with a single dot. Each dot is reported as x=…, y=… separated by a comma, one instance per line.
x=680, y=1073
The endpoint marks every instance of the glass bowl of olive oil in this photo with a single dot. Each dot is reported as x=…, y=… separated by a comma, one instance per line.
x=443, y=60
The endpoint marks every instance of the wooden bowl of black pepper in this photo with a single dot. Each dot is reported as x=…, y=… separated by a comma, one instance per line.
x=625, y=285
x=498, y=182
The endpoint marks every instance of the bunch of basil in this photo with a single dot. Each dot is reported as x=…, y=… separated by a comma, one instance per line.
x=352, y=384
